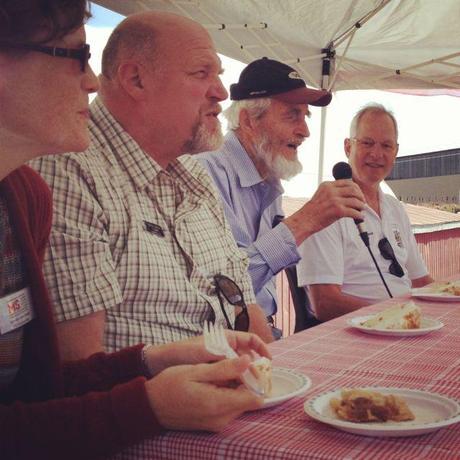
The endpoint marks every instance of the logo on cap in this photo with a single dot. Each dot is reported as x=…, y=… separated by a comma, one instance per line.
x=295, y=76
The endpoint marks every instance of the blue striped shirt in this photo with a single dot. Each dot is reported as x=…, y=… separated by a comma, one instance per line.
x=252, y=206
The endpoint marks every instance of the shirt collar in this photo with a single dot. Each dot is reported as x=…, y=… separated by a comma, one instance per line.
x=244, y=167
x=382, y=203
x=192, y=177
x=139, y=166
x=241, y=162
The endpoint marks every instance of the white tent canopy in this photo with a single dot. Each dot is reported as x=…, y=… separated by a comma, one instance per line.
x=334, y=44
x=367, y=44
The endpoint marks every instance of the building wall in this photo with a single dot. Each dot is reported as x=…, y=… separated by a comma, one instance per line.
x=440, y=251
x=444, y=189
x=441, y=163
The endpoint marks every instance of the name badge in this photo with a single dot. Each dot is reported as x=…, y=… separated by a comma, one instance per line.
x=15, y=310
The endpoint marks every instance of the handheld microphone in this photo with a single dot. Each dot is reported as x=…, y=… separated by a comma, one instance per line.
x=342, y=170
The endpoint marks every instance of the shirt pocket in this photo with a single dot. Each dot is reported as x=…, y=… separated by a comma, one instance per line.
x=209, y=242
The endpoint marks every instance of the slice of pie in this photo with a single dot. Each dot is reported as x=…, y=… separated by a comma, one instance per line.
x=263, y=373
x=400, y=316
x=358, y=405
x=451, y=288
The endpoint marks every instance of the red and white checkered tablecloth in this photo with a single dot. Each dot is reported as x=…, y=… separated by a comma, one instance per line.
x=334, y=355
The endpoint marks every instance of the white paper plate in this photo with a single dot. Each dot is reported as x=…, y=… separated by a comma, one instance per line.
x=431, y=410
x=428, y=294
x=427, y=325
x=285, y=385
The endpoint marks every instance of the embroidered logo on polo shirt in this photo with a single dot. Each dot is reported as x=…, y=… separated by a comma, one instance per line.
x=398, y=238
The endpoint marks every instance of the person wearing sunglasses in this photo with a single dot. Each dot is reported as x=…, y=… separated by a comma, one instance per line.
x=50, y=409
x=267, y=123
x=336, y=266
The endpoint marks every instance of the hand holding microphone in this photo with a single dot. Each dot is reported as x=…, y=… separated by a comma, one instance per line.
x=331, y=201
x=342, y=170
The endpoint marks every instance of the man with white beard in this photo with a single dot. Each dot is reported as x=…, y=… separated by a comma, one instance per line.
x=267, y=124
x=139, y=234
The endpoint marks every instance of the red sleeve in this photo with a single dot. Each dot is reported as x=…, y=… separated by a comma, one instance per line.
x=102, y=371
x=34, y=196
x=91, y=426
x=96, y=424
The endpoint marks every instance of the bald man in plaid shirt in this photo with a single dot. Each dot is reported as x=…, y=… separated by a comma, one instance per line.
x=138, y=232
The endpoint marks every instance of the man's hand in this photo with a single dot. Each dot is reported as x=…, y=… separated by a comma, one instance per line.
x=196, y=398
x=258, y=323
x=331, y=201
x=192, y=351
x=423, y=281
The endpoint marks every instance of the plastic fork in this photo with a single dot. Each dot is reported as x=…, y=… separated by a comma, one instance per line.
x=216, y=343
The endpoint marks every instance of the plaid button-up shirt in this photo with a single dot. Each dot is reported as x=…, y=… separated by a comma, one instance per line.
x=136, y=240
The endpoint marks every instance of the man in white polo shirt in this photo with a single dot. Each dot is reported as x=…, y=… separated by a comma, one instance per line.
x=336, y=266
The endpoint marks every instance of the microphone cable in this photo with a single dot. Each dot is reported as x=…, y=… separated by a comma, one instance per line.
x=380, y=273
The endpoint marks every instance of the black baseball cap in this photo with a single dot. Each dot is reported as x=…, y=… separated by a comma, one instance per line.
x=269, y=78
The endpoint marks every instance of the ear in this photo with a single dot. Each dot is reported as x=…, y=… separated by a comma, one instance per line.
x=245, y=121
x=131, y=77
x=347, y=147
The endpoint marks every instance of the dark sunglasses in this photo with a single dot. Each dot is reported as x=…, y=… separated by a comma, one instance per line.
x=226, y=287
x=81, y=54
x=387, y=253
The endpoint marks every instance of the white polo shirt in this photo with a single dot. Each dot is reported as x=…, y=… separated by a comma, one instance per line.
x=337, y=255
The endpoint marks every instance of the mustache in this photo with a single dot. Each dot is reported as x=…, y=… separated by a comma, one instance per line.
x=214, y=109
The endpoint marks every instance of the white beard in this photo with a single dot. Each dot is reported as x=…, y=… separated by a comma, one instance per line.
x=278, y=166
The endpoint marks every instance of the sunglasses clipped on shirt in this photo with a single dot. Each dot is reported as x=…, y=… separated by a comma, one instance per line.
x=81, y=54
x=388, y=254
x=227, y=288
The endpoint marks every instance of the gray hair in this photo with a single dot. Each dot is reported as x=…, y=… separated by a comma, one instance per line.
x=373, y=107
x=129, y=38
x=255, y=107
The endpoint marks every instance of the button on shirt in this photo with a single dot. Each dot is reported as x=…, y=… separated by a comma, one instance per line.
x=337, y=255
x=136, y=240
x=252, y=206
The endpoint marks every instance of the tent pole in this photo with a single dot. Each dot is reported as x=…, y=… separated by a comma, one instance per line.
x=321, y=145
x=328, y=61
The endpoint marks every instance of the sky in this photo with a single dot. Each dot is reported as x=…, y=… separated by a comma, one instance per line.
x=426, y=123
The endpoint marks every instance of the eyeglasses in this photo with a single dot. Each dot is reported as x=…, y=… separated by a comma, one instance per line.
x=387, y=253
x=368, y=144
x=230, y=290
x=81, y=54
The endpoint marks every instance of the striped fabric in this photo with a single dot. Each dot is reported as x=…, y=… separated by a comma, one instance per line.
x=253, y=207
x=336, y=356
x=11, y=280
x=136, y=240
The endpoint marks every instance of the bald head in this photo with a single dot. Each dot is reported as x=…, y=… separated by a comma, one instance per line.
x=146, y=37
x=161, y=82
